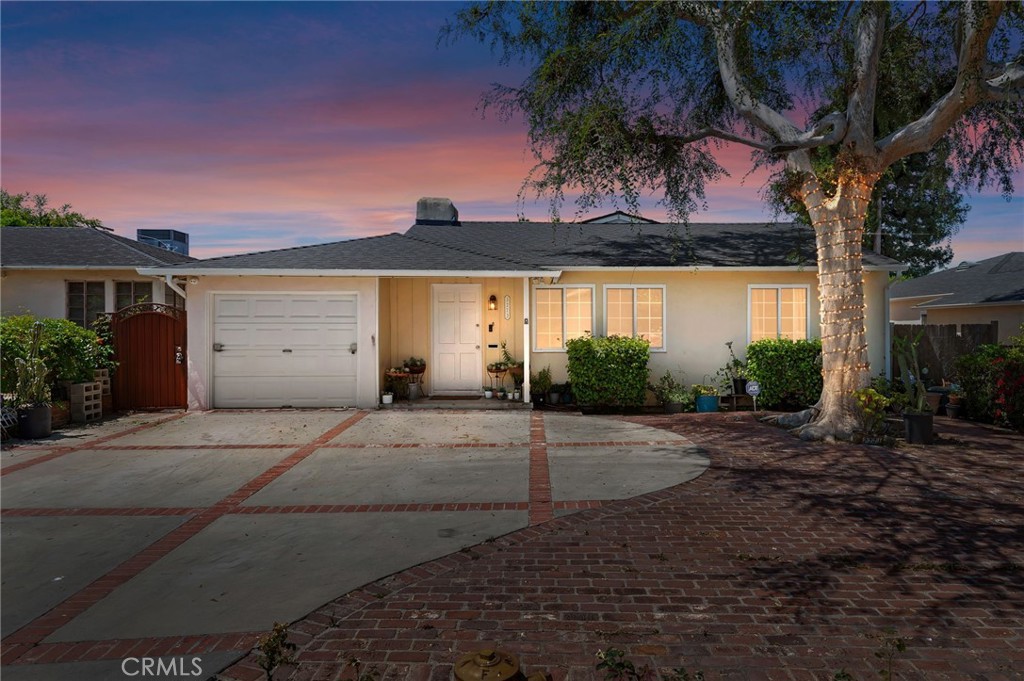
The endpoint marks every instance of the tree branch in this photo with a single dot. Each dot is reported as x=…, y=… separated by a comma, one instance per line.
x=860, y=110
x=756, y=112
x=722, y=135
x=830, y=130
x=969, y=89
x=1008, y=85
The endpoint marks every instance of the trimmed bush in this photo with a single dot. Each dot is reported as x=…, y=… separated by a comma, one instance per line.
x=70, y=352
x=789, y=372
x=992, y=382
x=609, y=372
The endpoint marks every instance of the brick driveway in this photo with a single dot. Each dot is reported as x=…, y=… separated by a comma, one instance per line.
x=786, y=560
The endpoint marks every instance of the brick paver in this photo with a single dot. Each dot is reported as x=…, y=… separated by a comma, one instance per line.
x=786, y=560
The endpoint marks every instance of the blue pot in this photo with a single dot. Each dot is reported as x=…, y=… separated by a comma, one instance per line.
x=707, y=403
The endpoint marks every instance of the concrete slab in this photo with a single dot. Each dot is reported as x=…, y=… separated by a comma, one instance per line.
x=243, y=573
x=207, y=664
x=74, y=435
x=117, y=478
x=578, y=428
x=256, y=427
x=427, y=427
x=45, y=560
x=581, y=473
x=393, y=476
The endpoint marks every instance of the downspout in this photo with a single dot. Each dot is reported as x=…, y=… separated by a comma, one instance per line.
x=888, y=326
x=526, y=339
x=168, y=279
x=376, y=345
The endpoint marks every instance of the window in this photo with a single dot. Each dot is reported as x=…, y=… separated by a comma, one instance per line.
x=778, y=312
x=130, y=292
x=86, y=301
x=636, y=311
x=562, y=313
x=172, y=298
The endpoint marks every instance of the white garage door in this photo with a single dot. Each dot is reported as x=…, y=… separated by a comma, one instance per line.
x=288, y=350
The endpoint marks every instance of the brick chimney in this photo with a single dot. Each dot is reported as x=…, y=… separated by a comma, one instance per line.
x=436, y=211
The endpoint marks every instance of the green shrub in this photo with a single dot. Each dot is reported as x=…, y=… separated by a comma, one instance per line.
x=70, y=352
x=609, y=372
x=992, y=382
x=789, y=372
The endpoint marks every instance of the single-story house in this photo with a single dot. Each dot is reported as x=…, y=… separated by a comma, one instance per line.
x=318, y=325
x=984, y=292
x=78, y=273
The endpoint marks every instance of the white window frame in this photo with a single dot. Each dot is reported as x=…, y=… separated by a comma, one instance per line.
x=778, y=308
x=535, y=323
x=664, y=310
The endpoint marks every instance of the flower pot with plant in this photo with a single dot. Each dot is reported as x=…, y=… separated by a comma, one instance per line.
x=706, y=397
x=671, y=395
x=539, y=385
x=917, y=415
x=32, y=391
x=733, y=376
x=488, y=392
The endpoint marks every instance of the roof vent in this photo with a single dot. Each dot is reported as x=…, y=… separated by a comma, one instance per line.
x=436, y=211
x=964, y=265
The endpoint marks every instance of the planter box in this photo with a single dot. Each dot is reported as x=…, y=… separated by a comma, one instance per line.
x=86, y=401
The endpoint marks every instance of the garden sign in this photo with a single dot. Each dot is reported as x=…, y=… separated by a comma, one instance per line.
x=754, y=389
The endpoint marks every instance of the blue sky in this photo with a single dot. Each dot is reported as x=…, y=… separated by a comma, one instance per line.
x=266, y=125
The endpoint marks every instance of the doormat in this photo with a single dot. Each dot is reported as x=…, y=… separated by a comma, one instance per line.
x=445, y=398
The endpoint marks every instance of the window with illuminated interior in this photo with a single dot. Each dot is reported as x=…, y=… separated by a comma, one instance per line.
x=562, y=313
x=778, y=312
x=636, y=311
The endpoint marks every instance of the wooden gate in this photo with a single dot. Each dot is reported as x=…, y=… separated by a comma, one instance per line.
x=149, y=345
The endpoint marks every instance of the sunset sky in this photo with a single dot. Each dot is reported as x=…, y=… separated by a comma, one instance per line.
x=265, y=125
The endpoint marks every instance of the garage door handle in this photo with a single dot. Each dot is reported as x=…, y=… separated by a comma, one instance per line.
x=218, y=347
x=287, y=350
x=353, y=347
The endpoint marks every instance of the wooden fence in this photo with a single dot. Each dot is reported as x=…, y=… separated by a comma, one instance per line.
x=941, y=344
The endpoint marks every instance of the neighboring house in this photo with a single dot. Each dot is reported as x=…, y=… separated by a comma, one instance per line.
x=78, y=273
x=317, y=325
x=991, y=290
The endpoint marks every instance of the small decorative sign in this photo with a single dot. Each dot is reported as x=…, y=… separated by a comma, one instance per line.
x=753, y=388
x=508, y=307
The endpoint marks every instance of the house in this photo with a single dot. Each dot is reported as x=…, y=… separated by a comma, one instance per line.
x=984, y=292
x=78, y=273
x=317, y=325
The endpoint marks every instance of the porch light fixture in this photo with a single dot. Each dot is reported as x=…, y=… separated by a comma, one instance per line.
x=492, y=303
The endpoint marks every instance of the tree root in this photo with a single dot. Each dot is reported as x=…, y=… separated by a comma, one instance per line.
x=794, y=420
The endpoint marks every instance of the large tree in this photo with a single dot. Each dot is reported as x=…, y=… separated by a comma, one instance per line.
x=627, y=97
x=28, y=210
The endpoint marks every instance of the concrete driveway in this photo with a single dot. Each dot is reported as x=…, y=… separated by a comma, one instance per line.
x=185, y=537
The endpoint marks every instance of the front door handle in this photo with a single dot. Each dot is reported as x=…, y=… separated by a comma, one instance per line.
x=179, y=356
x=218, y=347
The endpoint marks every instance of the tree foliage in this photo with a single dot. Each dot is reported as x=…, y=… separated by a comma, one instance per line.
x=33, y=210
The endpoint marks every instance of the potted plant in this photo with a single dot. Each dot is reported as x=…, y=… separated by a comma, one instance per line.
x=555, y=393
x=917, y=415
x=515, y=367
x=32, y=392
x=669, y=393
x=415, y=365
x=488, y=392
x=734, y=374
x=502, y=393
x=567, y=396
x=953, y=399
x=706, y=397
x=539, y=385
x=871, y=408
x=387, y=398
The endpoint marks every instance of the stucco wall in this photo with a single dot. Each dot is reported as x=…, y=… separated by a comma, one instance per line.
x=1010, y=317
x=704, y=310
x=42, y=292
x=200, y=326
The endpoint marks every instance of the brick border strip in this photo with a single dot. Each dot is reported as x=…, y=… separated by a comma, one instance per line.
x=37, y=512
x=59, y=451
x=74, y=605
x=541, y=510
x=118, y=649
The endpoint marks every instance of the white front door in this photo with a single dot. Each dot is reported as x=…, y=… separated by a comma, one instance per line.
x=457, y=361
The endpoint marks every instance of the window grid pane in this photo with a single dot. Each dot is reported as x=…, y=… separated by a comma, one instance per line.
x=649, y=317
x=763, y=313
x=620, y=312
x=793, y=313
x=578, y=309
x=549, y=319
x=85, y=301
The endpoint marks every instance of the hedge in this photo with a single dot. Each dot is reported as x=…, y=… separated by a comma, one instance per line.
x=789, y=372
x=992, y=382
x=70, y=352
x=609, y=372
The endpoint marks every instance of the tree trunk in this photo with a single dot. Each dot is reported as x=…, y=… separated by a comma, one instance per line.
x=839, y=229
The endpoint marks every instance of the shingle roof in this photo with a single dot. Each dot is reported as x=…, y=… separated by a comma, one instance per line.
x=68, y=247
x=571, y=245
x=540, y=246
x=387, y=252
x=998, y=280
